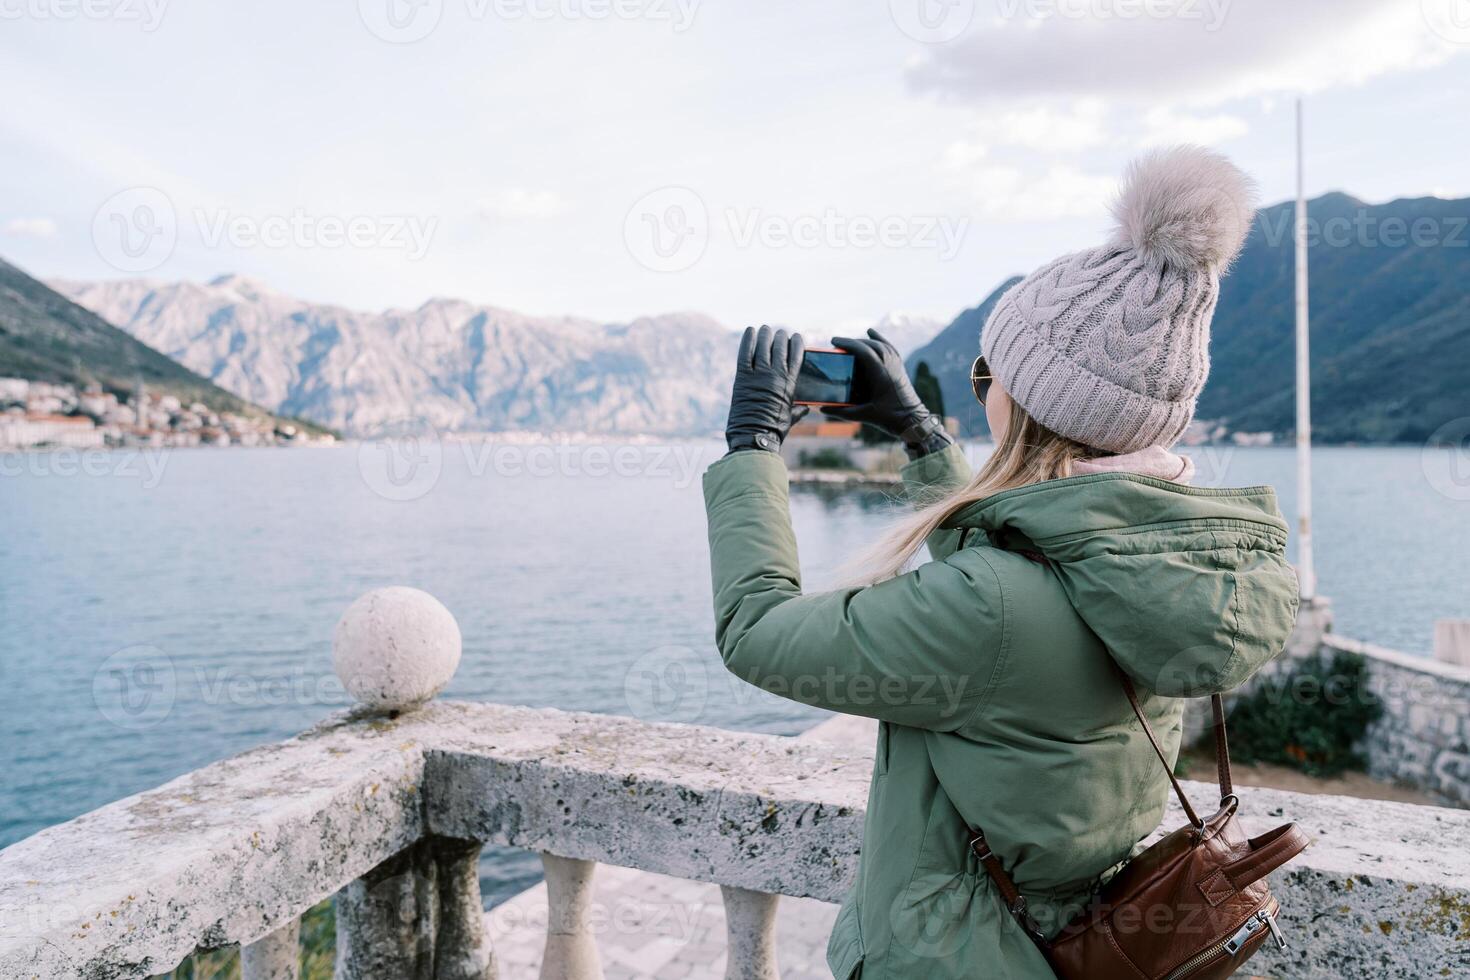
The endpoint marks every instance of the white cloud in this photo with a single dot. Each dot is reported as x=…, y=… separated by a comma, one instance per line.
x=963, y=154
x=43, y=228
x=1164, y=125
x=1012, y=193
x=1252, y=48
x=518, y=203
x=1045, y=128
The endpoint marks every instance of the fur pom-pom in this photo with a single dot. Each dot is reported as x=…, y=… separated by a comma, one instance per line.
x=1185, y=206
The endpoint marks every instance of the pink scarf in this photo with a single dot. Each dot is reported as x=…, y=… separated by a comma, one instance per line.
x=1155, y=461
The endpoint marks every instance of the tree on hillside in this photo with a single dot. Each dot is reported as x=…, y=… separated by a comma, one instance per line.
x=926, y=386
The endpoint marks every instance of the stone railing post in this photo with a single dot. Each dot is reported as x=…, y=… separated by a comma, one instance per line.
x=418, y=915
x=1313, y=621
x=1452, y=641
x=275, y=957
x=461, y=948
x=571, y=949
x=750, y=931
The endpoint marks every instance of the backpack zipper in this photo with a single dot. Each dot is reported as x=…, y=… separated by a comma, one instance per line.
x=1263, y=918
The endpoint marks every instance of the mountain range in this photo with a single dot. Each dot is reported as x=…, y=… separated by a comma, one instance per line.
x=46, y=337
x=1390, y=302
x=450, y=363
x=1389, y=295
x=454, y=364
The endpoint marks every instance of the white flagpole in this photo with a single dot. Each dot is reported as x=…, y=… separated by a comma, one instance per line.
x=1305, y=569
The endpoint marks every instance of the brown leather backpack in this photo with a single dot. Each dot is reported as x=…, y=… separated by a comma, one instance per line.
x=1195, y=904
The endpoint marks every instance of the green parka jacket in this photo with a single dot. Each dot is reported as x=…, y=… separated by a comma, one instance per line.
x=993, y=676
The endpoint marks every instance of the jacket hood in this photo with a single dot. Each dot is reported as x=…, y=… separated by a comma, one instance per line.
x=1188, y=588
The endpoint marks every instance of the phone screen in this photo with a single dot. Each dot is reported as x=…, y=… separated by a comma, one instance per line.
x=826, y=378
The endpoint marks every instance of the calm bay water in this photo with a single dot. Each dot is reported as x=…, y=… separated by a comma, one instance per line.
x=210, y=580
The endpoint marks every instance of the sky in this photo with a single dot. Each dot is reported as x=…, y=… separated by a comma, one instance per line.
x=814, y=164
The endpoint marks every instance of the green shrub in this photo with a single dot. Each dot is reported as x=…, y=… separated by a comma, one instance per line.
x=318, y=953
x=1312, y=717
x=826, y=459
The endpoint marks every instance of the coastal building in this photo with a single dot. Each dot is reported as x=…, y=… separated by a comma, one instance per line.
x=34, y=429
x=822, y=443
x=39, y=414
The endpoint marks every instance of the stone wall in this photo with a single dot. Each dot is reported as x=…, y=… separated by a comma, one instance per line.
x=1423, y=738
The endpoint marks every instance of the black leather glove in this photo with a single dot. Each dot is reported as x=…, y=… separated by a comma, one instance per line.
x=761, y=412
x=892, y=405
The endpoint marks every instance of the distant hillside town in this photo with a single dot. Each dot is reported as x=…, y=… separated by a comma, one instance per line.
x=39, y=414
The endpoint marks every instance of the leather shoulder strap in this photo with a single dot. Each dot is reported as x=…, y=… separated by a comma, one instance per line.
x=1007, y=886
x=1222, y=746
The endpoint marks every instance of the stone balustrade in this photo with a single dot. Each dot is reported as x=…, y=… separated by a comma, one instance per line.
x=387, y=809
x=390, y=814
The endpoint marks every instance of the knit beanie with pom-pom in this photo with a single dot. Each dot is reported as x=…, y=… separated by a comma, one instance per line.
x=1110, y=346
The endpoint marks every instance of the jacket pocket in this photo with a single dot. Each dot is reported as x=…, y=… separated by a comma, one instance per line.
x=845, y=945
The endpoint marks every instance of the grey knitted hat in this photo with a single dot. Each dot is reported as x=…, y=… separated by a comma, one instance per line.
x=1110, y=346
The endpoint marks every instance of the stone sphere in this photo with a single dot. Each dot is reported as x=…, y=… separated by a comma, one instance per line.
x=395, y=648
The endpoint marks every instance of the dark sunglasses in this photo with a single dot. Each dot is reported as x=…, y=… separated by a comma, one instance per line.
x=980, y=378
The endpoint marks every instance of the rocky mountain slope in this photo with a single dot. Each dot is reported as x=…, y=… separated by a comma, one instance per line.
x=1390, y=307
x=451, y=363
x=44, y=336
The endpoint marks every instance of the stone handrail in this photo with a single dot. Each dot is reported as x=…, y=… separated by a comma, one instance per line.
x=392, y=810
x=387, y=807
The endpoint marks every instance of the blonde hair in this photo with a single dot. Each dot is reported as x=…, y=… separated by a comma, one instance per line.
x=1027, y=453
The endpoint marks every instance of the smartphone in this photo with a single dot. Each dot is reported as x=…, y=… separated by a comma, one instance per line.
x=827, y=377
